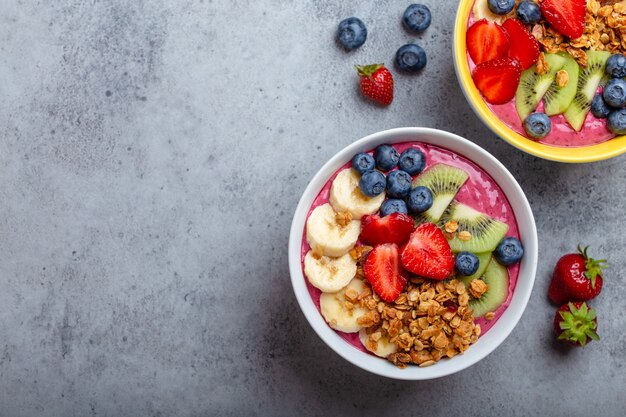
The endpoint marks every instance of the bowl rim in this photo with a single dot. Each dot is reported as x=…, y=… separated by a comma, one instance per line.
x=526, y=225
x=597, y=152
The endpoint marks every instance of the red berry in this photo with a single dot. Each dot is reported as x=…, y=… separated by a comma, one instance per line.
x=566, y=16
x=394, y=228
x=576, y=323
x=376, y=83
x=576, y=277
x=382, y=270
x=486, y=41
x=497, y=80
x=428, y=253
x=524, y=46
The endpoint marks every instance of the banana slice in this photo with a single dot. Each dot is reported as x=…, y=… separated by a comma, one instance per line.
x=384, y=347
x=333, y=307
x=345, y=195
x=481, y=11
x=323, y=232
x=329, y=274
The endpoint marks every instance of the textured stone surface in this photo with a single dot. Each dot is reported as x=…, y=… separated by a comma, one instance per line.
x=152, y=155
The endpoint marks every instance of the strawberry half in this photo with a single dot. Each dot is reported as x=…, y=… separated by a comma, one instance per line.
x=486, y=41
x=576, y=277
x=576, y=323
x=376, y=83
x=382, y=270
x=394, y=228
x=566, y=16
x=497, y=80
x=428, y=253
x=524, y=46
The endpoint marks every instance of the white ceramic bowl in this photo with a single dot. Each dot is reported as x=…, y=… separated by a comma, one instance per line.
x=525, y=221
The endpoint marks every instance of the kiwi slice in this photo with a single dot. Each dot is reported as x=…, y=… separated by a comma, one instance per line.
x=497, y=279
x=483, y=262
x=484, y=232
x=557, y=99
x=444, y=181
x=589, y=78
x=533, y=86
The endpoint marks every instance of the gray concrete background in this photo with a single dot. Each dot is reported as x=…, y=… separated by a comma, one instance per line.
x=151, y=157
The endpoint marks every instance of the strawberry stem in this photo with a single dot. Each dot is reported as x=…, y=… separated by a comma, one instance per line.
x=368, y=70
x=578, y=324
x=593, y=267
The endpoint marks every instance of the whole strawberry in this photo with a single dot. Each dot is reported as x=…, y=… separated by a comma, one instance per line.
x=376, y=83
x=576, y=277
x=576, y=323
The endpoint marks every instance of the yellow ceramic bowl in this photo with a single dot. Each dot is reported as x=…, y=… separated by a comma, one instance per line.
x=606, y=150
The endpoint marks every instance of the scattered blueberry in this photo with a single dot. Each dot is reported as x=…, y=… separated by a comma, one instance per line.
x=616, y=122
x=528, y=12
x=501, y=7
x=509, y=251
x=352, y=33
x=410, y=58
x=398, y=184
x=363, y=162
x=420, y=199
x=391, y=206
x=616, y=66
x=412, y=161
x=416, y=17
x=614, y=93
x=372, y=183
x=386, y=157
x=537, y=125
x=466, y=263
x=599, y=108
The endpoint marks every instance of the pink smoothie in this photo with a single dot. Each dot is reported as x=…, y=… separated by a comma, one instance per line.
x=480, y=192
x=562, y=134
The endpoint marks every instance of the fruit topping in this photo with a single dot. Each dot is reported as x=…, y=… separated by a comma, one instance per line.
x=383, y=271
x=393, y=228
x=412, y=161
x=340, y=313
x=346, y=196
x=509, y=251
x=524, y=47
x=381, y=347
x=376, y=83
x=533, y=85
x=566, y=16
x=576, y=277
x=501, y=7
x=443, y=181
x=398, y=183
x=481, y=11
x=466, y=263
x=616, y=66
x=576, y=323
x=537, y=125
x=351, y=33
x=428, y=254
x=327, y=236
x=616, y=122
x=410, y=58
x=386, y=157
x=393, y=205
x=420, y=199
x=614, y=93
x=497, y=279
x=329, y=274
x=563, y=90
x=486, y=41
x=372, y=183
x=416, y=18
x=363, y=162
x=528, y=12
x=483, y=262
x=497, y=80
x=599, y=108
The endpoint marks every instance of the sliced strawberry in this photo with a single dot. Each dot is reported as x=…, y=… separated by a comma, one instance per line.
x=382, y=270
x=394, y=228
x=524, y=46
x=497, y=80
x=566, y=16
x=428, y=253
x=486, y=41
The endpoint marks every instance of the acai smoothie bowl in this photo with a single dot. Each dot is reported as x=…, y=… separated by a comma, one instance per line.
x=548, y=76
x=413, y=253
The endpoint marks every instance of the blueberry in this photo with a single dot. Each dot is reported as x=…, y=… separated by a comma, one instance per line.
x=501, y=7
x=466, y=263
x=416, y=17
x=420, y=199
x=398, y=184
x=410, y=58
x=537, y=125
x=599, y=108
x=616, y=122
x=616, y=66
x=363, y=162
x=386, y=157
x=352, y=33
x=412, y=161
x=391, y=206
x=615, y=93
x=528, y=12
x=509, y=251
x=372, y=183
